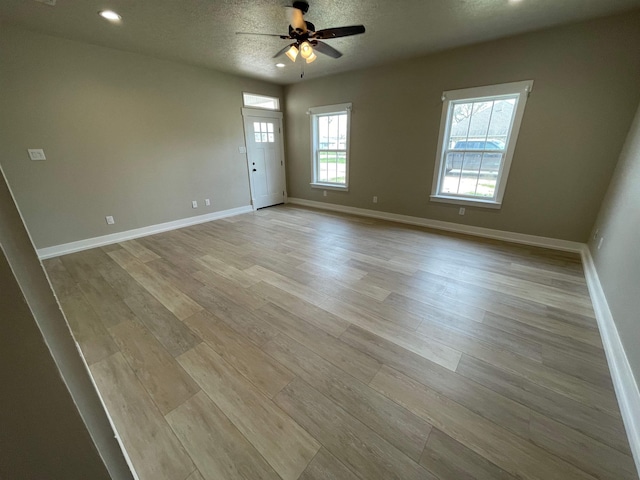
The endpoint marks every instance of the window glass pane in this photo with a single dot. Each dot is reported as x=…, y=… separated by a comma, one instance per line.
x=263, y=127
x=341, y=175
x=258, y=138
x=260, y=101
x=270, y=127
x=469, y=173
x=271, y=139
x=479, y=124
x=333, y=131
x=459, y=128
x=501, y=119
x=342, y=132
x=264, y=137
x=323, y=132
x=256, y=127
x=452, y=171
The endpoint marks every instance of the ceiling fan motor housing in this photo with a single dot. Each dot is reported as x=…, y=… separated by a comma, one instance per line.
x=302, y=6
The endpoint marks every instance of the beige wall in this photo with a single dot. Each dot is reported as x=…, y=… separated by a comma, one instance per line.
x=618, y=260
x=125, y=135
x=52, y=424
x=585, y=92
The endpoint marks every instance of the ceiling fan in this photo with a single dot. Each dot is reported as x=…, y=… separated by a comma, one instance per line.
x=306, y=40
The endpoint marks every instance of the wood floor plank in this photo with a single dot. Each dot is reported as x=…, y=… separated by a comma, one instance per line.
x=301, y=291
x=325, y=466
x=501, y=410
x=350, y=441
x=82, y=265
x=153, y=447
x=267, y=374
x=165, y=381
x=508, y=451
x=196, y=475
x=61, y=281
x=228, y=271
x=281, y=441
x=105, y=302
x=331, y=349
x=318, y=317
x=599, y=425
x=90, y=333
x=568, y=385
x=402, y=429
x=436, y=352
x=139, y=251
x=174, y=335
x=598, y=459
x=218, y=449
x=242, y=320
x=242, y=296
x=173, y=299
x=450, y=460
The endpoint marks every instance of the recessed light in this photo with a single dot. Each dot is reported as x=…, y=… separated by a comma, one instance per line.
x=280, y=65
x=110, y=15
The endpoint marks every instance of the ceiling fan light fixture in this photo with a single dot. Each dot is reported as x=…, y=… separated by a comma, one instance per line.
x=292, y=53
x=306, y=50
x=311, y=58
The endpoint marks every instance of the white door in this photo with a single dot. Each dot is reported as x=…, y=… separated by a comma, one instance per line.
x=265, y=157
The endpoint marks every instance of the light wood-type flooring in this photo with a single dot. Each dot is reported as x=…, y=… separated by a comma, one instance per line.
x=297, y=344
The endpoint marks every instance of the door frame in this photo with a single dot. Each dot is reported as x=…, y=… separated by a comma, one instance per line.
x=260, y=112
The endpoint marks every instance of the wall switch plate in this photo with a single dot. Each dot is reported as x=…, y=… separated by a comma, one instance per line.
x=110, y=220
x=207, y=202
x=194, y=204
x=375, y=199
x=242, y=149
x=36, y=154
x=461, y=211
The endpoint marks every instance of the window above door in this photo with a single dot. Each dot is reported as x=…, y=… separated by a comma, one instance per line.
x=478, y=133
x=253, y=100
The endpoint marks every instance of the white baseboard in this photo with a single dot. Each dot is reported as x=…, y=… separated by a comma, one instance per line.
x=624, y=382
x=521, y=238
x=94, y=242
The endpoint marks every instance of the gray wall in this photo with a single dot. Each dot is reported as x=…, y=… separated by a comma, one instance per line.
x=618, y=260
x=125, y=135
x=584, y=98
x=51, y=418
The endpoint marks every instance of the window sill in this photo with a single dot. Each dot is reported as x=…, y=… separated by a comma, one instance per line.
x=330, y=186
x=466, y=201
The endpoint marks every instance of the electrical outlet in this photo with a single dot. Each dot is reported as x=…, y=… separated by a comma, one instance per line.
x=324, y=193
x=461, y=211
x=375, y=199
x=194, y=204
x=600, y=242
x=110, y=220
x=207, y=202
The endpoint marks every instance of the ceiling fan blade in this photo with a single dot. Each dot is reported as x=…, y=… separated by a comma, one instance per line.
x=328, y=33
x=282, y=51
x=326, y=49
x=264, y=34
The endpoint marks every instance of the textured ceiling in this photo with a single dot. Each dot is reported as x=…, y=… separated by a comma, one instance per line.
x=202, y=32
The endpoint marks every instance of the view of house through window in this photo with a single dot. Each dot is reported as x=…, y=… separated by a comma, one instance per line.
x=478, y=142
x=330, y=145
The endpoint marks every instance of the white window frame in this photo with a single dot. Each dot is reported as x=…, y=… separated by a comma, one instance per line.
x=449, y=98
x=314, y=112
x=277, y=101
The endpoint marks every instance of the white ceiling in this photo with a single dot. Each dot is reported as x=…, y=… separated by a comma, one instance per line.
x=202, y=32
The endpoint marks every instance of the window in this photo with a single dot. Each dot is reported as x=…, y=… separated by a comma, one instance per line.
x=260, y=101
x=478, y=133
x=330, y=146
x=263, y=132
